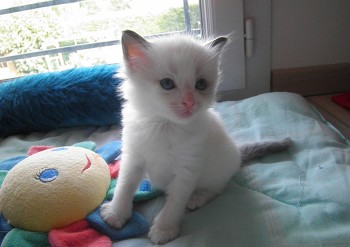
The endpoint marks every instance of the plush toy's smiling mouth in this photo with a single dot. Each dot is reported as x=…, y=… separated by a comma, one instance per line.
x=88, y=165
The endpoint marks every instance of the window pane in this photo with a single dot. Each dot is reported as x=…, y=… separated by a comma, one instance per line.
x=16, y=3
x=78, y=24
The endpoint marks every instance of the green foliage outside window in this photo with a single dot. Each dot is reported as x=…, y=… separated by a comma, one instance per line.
x=39, y=29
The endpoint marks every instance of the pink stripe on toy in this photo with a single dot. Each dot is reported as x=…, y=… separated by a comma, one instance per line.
x=36, y=149
x=78, y=234
x=114, y=168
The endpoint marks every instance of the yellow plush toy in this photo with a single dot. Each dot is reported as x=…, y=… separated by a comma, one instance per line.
x=54, y=188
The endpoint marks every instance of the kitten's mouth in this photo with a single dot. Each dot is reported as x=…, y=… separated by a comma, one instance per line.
x=184, y=113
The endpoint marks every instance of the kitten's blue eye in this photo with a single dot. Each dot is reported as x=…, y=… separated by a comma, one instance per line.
x=167, y=84
x=201, y=84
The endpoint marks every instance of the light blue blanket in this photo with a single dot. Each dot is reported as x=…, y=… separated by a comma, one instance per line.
x=299, y=197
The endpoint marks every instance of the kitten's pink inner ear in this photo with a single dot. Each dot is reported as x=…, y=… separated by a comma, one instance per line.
x=135, y=56
x=135, y=51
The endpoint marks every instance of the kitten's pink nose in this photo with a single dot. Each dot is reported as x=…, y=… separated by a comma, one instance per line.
x=188, y=101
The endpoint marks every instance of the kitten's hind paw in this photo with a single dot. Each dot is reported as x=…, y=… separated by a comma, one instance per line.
x=199, y=199
x=162, y=236
x=111, y=217
x=196, y=202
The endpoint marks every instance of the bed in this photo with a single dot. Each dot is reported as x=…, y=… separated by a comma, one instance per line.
x=298, y=197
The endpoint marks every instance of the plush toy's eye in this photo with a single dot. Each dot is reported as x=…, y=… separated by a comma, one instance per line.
x=47, y=175
x=167, y=83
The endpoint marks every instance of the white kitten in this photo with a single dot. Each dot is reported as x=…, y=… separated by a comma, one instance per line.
x=170, y=133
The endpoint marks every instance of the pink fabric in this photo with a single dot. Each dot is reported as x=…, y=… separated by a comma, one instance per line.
x=342, y=100
x=78, y=234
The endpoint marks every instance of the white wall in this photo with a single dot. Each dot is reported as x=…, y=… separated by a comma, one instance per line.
x=310, y=32
x=258, y=67
x=227, y=19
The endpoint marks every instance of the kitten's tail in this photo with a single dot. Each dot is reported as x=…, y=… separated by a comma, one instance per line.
x=259, y=149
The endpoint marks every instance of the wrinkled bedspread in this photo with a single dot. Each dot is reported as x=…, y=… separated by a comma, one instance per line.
x=299, y=197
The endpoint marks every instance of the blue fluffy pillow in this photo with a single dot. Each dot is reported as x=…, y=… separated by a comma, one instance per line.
x=75, y=97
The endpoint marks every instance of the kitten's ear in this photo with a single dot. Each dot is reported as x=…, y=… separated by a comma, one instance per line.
x=134, y=48
x=218, y=44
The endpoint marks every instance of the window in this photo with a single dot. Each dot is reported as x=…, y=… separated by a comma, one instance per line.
x=39, y=36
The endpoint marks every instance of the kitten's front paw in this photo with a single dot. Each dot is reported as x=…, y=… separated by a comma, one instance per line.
x=112, y=218
x=162, y=236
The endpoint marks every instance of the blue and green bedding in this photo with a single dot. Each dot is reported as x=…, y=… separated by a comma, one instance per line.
x=299, y=197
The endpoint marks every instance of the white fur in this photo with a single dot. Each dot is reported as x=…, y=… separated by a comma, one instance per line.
x=191, y=158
